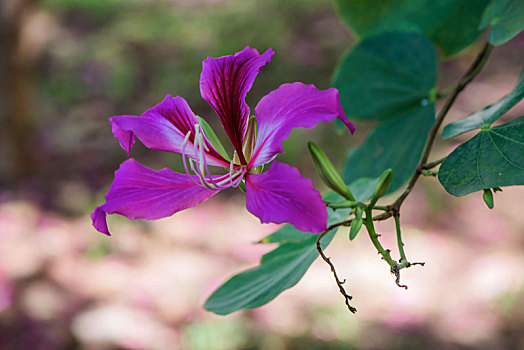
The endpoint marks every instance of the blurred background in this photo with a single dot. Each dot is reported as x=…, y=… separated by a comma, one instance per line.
x=66, y=66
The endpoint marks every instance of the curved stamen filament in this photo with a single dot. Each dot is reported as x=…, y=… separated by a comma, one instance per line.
x=201, y=168
x=186, y=140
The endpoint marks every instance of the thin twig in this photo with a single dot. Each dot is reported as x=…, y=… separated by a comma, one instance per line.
x=340, y=283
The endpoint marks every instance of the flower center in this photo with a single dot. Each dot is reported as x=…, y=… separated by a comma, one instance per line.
x=199, y=167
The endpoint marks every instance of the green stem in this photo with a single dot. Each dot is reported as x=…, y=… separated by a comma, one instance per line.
x=403, y=259
x=374, y=239
x=381, y=207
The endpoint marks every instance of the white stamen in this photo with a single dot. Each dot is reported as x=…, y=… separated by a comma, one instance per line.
x=200, y=168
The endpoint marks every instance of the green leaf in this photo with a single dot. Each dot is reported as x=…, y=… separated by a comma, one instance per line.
x=395, y=144
x=279, y=270
x=493, y=158
x=489, y=114
x=506, y=18
x=363, y=188
x=212, y=137
x=285, y=234
x=386, y=75
x=390, y=77
x=450, y=24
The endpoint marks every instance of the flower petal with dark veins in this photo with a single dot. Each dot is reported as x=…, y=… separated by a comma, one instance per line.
x=224, y=84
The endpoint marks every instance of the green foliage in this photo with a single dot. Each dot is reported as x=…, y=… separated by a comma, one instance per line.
x=363, y=188
x=450, y=24
x=493, y=158
x=489, y=114
x=279, y=270
x=387, y=75
x=390, y=77
x=396, y=144
x=506, y=18
x=284, y=235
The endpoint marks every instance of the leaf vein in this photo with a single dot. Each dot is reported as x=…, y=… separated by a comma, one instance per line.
x=503, y=155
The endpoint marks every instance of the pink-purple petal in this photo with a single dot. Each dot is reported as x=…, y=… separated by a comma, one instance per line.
x=291, y=106
x=125, y=138
x=163, y=127
x=224, y=83
x=282, y=195
x=139, y=192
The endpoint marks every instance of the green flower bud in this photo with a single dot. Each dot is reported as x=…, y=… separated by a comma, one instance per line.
x=327, y=172
x=356, y=224
x=382, y=186
x=488, y=198
x=250, y=138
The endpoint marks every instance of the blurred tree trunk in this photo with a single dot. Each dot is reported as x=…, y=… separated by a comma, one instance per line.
x=17, y=155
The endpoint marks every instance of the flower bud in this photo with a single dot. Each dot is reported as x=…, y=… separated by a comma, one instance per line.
x=488, y=198
x=356, y=224
x=250, y=138
x=382, y=186
x=327, y=172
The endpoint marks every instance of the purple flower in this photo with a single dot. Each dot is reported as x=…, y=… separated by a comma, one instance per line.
x=278, y=195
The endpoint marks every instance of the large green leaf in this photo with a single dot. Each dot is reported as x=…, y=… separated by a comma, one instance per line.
x=387, y=75
x=489, y=114
x=506, y=18
x=395, y=144
x=493, y=158
x=450, y=24
x=279, y=270
x=285, y=234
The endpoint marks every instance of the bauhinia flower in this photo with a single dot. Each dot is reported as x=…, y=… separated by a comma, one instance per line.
x=278, y=195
